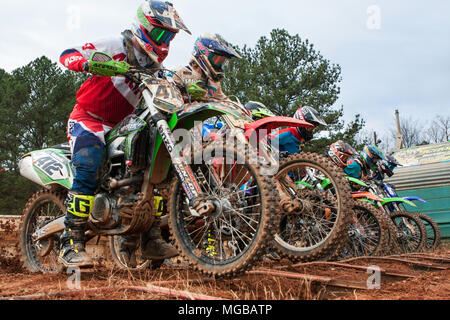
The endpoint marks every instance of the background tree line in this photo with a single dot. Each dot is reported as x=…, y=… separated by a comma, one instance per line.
x=35, y=103
x=415, y=132
x=282, y=71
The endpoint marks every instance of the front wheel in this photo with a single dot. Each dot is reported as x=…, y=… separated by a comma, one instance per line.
x=237, y=233
x=433, y=232
x=411, y=232
x=315, y=226
x=368, y=233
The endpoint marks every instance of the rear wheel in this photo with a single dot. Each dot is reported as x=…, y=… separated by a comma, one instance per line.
x=318, y=229
x=120, y=262
x=42, y=208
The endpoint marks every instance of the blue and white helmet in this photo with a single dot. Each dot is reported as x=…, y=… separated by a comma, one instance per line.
x=371, y=155
x=211, y=53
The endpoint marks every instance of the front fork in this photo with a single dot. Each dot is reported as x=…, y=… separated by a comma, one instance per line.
x=182, y=168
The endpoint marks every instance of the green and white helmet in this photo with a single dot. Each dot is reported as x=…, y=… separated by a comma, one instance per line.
x=258, y=110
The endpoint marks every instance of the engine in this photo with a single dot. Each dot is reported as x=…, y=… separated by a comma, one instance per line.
x=105, y=213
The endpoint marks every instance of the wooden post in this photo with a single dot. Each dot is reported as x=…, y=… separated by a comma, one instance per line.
x=399, y=138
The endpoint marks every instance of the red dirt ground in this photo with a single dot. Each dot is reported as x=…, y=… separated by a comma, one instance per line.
x=16, y=282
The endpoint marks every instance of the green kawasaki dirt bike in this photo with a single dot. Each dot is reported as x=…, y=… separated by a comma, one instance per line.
x=406, y=232
x=366, y=232
x=218, y=228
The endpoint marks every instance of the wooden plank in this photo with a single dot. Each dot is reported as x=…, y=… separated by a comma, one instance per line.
x=407, y=261
x=388, y=272
x=326, y=280
x=438, y=259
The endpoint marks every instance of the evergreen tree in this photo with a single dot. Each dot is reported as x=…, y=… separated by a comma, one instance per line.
x=35, y=103
x=285, y=72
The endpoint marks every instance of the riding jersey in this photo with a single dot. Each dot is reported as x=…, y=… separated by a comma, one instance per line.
x=107, y=99
x=289, y=140
x=353, y=169
x=357, y=168
x=102, y=102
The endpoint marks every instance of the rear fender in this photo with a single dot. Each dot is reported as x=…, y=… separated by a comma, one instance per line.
x=47, y=167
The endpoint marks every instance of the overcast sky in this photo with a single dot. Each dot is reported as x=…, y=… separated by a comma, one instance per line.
x=393, y=53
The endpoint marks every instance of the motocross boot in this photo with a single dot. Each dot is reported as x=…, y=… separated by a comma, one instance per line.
x=73, y=253
x=153, y=245
x=127, y=250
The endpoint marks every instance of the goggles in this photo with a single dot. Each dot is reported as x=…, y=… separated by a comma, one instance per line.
x=158, y=35
x=217, y=61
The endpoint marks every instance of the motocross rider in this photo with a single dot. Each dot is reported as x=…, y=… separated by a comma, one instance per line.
x=293, y=140
x=258, y=110
x=340, y=153
x=386, y=167
x=371, y=164
x=205, y=70
x=102, y=102
x=365, y=166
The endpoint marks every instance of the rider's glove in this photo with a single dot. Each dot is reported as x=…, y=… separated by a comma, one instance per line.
x=106, y=69
x=196, y=91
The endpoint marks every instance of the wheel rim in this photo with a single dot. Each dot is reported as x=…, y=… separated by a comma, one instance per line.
x=226, y=235
x=45, y=212
x=307, y=232
x=364, y=233
x=410, y=233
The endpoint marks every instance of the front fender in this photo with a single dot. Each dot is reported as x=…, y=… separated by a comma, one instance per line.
x=397, y=200
x=414, y=199
x=366, y=195
x=356, y=181
x=368, y=201
x=326, y=183
x=186, y=119
x=303, y=183
x=202, y=111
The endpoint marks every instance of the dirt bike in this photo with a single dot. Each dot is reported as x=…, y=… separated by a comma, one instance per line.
x=367, y=231
x=407, y=233
x=219, y=229
x=394, y=204
x=313, y=222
